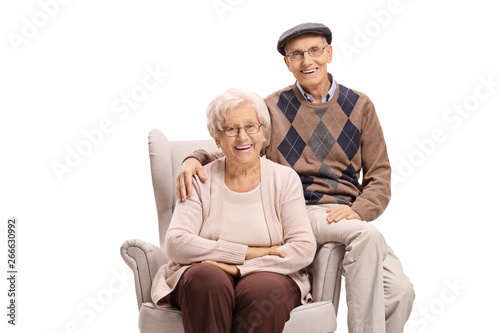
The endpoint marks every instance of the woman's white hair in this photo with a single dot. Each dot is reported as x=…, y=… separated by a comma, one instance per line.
x=220, y=110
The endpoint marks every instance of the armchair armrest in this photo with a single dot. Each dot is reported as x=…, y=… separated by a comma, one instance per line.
x=144, y=259
x=326, y=271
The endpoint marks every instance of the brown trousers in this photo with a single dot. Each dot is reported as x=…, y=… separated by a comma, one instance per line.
x=213, y=301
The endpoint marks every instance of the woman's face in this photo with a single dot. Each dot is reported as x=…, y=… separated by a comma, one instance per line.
x=242, y=149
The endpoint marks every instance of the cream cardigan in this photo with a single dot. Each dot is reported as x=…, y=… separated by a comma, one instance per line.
x=193, y=234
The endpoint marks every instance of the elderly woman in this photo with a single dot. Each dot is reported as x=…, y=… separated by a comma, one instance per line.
x=238, y=245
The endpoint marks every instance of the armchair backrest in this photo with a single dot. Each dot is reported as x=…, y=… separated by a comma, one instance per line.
x=166, y=158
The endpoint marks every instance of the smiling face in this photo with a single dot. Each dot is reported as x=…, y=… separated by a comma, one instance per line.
x=242, y=150
x=311, y=72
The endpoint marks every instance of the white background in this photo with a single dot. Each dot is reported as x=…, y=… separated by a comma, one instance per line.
x=65, y=69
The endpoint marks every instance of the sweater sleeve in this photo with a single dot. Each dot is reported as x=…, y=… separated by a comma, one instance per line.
x=376, y=185
x=299, y=244
x=205, y=157
x=185, y=246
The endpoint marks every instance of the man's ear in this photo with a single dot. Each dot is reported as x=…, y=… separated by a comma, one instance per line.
x=287, y=62
x=329, y=52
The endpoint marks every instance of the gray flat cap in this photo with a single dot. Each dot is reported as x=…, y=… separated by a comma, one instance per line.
x=304, y=28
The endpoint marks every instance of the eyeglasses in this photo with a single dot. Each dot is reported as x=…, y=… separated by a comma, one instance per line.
x=251, y=128
x=313, y=52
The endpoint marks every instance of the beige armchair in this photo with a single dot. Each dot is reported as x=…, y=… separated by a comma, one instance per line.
x=145, y=259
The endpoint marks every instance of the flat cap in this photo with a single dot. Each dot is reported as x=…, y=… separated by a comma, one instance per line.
x=304, y=28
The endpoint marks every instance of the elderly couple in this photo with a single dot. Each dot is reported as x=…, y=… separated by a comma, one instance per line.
x=246, y=226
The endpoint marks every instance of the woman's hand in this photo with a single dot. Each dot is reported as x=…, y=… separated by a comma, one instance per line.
x=184, y=186
x=340, y=212
x=230, y=269
x=257, y=252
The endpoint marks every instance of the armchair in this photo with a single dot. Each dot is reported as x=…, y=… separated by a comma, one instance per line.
x=145, y=259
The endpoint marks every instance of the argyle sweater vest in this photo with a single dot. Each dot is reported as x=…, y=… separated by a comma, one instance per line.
x=328, y=145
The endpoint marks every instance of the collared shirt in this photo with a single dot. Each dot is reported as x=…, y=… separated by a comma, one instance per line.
x=325, y=98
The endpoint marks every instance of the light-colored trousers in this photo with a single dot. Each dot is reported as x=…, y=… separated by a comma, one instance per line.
x=379, y=295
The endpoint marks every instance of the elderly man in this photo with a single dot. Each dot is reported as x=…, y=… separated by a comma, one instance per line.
x=328, y=134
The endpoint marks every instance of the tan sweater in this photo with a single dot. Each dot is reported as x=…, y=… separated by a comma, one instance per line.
x=328, y=145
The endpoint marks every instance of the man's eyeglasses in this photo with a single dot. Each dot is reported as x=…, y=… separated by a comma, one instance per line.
x=313, y=52
x=251, y=128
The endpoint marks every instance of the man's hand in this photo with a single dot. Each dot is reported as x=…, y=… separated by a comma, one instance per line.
x=340, y=212
x=257, y=252
x=230, y=269
x=184, y=186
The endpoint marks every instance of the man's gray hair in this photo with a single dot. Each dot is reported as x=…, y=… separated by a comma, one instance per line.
x=220, y=110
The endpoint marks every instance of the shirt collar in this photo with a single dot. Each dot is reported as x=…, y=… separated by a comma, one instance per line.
x=325, y=98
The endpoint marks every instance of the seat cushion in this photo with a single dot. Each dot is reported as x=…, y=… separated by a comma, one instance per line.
x=317, y=317
x=153, y=319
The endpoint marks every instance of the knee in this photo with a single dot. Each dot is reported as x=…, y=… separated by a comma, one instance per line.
x=269, y=290
x=370, y=236
x=407, y=292
x=206, y=277
x=370, y=231
x=402, y=292
x=270, y=284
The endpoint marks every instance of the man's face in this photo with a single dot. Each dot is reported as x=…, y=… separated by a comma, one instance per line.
x=311, y=72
